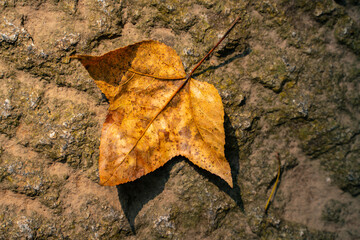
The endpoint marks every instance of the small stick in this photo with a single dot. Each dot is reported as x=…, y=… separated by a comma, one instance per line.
x=276, y=182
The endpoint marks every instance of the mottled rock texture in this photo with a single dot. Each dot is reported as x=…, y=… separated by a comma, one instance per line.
x=288, y=75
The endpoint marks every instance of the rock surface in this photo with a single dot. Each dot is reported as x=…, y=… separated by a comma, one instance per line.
x=288, y=76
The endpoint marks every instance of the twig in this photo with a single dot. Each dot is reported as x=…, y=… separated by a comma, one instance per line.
x=276, y=183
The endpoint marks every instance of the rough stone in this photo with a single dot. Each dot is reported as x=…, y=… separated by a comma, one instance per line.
x=288, y=75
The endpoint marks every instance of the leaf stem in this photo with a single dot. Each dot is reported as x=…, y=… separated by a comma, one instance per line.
x=217, y=44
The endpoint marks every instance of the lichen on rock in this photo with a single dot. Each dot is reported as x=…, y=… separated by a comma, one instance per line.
x=288, y=76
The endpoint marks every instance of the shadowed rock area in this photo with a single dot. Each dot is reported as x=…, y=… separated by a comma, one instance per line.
x=289, y=78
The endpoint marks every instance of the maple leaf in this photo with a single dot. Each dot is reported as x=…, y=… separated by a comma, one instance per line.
x=155, y=113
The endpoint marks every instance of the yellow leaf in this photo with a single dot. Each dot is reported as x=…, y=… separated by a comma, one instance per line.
x=155, y=114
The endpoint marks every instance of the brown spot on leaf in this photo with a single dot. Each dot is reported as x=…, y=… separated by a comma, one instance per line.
x=185, y=132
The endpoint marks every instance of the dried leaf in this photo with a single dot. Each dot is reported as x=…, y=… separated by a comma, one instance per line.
x=153, y=116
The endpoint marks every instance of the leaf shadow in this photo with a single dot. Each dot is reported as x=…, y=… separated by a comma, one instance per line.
x=232, y=155
x=134, y=195
x=244, y=53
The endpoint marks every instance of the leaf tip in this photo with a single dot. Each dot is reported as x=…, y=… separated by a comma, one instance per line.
x=105, y=180
x=65, y=60
x=229, y=181
x=78, y=57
